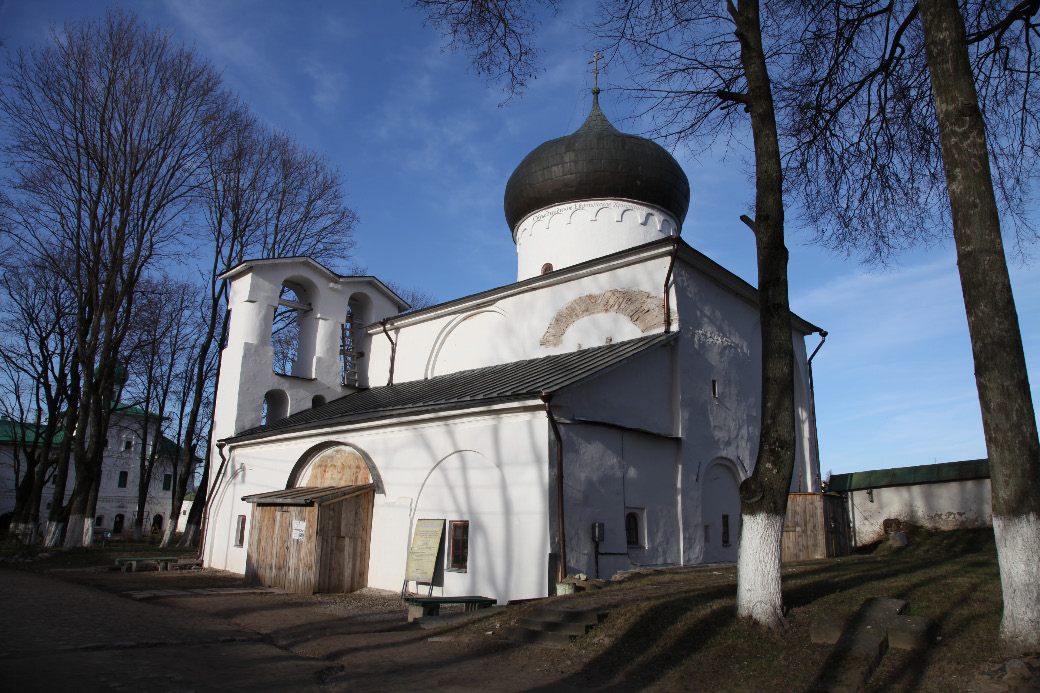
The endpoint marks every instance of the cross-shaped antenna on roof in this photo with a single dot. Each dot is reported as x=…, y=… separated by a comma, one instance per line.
x=595, y=71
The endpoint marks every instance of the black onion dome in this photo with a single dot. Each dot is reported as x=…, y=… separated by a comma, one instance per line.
x=598, y=161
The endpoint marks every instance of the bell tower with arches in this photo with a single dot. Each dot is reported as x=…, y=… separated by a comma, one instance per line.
x=294, y=339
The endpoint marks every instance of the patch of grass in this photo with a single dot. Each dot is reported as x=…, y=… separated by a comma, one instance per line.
x=37, y=558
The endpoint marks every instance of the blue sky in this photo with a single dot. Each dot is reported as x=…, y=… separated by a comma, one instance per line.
x=426, y=150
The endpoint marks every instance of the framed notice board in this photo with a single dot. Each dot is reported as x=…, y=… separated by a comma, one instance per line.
x=426, y=546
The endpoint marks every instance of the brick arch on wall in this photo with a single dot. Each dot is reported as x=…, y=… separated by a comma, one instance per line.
x=645, y=310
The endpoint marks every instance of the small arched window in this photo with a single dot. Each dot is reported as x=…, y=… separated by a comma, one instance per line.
x=354, y=342
x=317, y=401
x=547, y=268
x=632, y=529
x=275, y=407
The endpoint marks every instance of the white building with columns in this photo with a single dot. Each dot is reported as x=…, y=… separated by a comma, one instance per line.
x=617, y=381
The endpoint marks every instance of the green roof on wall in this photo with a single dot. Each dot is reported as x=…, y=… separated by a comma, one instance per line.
x=906, y=476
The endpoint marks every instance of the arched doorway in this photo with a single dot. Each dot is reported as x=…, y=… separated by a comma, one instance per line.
x=720, y=512
x=117, y=524
x=157, y=524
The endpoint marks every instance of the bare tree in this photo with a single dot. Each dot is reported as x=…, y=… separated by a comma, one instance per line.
x=105, y=133
x=495, y=33
x=896, y=134
x=159, y=358
x=265, y=196
x=35, y=358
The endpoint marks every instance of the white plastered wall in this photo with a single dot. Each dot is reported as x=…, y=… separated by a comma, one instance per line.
x=514, y=326
x=487, y=468
x=608, y=472
x=943, y=505
x=620, y=453
x=567, y=234
x=721, y=342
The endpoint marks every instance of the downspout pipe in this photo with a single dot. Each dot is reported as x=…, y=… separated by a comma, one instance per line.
x=393, y=351
x=221, y=444
x=561, y=571
x=812, y=406
x=667, y=280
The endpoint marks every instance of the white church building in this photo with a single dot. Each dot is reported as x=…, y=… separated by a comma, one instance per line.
x=617, y=381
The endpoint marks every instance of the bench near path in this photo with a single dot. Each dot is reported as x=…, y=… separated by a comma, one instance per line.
x=420, y=607
x=161, y=563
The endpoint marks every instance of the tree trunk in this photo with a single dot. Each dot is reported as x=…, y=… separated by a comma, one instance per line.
x=763, y=496
x=28, y=490
x=193, y=525
x=187, y=456
x=1008, y=419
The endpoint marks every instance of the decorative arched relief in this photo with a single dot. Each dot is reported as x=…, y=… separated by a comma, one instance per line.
x=593, y=211
x=463, y=343
x=645, y=310
x=334, y=464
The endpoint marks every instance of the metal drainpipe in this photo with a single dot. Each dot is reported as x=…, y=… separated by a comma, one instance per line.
x=812, y=405
x=393, y=351
x=561, y=572
x=668, y=278
x=212, y=494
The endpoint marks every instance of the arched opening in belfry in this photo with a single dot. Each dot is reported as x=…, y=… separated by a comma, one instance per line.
x=354, y=342
x=275, y=408
x=294, y=330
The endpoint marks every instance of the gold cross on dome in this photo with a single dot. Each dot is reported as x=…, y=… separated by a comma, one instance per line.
x=595, y=70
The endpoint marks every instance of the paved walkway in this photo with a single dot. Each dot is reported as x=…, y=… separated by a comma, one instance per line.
x=59, y=635
x=149, y=594
x=56, y=635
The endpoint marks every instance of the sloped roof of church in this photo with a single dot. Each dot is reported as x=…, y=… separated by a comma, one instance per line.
x=503, y=382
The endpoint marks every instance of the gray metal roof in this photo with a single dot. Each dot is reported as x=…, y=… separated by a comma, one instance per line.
x=908, y=476
x=307, y=495
x=504, y=382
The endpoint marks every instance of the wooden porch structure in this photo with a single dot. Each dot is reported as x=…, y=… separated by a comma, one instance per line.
x=311, y=539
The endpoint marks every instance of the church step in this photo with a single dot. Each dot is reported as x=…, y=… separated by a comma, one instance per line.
x=553, y=627
x=590, y=617
x=536, y=637
x=566, y=627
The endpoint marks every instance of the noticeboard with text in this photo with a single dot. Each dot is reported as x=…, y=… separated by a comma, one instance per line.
x=426, y=545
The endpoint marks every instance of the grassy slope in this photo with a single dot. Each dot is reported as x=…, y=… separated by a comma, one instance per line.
x=675, y=630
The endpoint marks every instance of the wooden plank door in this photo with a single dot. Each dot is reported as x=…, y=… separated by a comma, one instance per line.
x=343, y=541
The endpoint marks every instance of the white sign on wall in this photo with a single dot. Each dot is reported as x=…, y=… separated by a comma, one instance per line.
x=298, y=528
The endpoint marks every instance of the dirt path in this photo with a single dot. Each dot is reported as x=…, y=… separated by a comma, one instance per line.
x=57, y=635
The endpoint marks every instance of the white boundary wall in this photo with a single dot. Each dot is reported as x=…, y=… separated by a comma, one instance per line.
x=940, y=505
